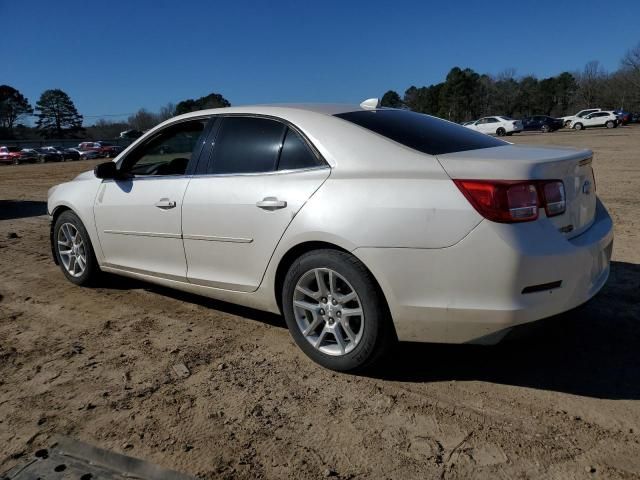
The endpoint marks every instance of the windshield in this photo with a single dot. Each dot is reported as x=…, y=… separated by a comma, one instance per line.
x=424, y=133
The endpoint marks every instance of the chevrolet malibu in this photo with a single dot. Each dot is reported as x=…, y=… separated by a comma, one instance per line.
x=361, y=225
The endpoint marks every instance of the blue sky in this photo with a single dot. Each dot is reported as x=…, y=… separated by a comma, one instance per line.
x=114, y=57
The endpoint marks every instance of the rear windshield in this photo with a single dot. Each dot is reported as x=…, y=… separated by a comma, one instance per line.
x=424, y=133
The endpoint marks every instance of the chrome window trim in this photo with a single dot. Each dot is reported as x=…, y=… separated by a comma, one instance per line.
x=203, y=175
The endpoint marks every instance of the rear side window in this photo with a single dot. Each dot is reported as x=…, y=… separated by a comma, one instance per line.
x=423, y=133
x=296, y=153
x=246, y=145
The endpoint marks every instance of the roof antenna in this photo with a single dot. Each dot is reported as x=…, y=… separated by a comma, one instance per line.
x=371, y=104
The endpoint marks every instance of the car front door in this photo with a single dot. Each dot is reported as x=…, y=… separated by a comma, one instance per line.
x=260, y=173
x=138, y=216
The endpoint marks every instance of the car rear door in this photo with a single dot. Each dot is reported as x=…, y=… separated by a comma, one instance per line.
x=139, y=217
x=236, y=209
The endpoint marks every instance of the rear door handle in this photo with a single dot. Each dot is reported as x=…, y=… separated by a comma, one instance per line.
x=271, y=203
x=165, y=204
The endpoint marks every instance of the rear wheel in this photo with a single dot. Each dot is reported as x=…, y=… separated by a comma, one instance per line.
x=545, y=129
x=610, y=124
x=16, y=161
x=73, y=249
x=335, y=311
x=567, y=123
x=578, y=126
x=501, y=132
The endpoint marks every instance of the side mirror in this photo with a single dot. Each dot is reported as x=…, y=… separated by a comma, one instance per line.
x=107, y=170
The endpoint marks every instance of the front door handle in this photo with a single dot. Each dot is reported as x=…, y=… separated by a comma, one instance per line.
x=271, y=203
x=165, y=204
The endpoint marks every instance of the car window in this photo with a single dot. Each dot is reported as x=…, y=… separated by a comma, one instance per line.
x=246, y=145
x=296, y=153
x=423, y=133
x=168, y=152
x=492, y=120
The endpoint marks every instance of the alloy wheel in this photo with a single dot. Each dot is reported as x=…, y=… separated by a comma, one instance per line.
x=328, y=311
x=72, y=250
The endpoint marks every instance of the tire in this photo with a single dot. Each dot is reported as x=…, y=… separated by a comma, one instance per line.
x=545, y=129
x=578, y=126
x=68, y=227
x=41, y=160
x=501, y=132
x=16, y=161
x=366, y=337
x=567, y=123
x=610, y=124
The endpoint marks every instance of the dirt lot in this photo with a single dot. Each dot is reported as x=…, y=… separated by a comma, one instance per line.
x=562, y=401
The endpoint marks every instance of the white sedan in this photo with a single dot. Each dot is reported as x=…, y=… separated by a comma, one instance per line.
x=599, y=118
x=361, y=225
x=497, y=125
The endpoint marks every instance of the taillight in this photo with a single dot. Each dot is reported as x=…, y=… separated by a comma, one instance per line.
x=508, y=201
x=554, y=199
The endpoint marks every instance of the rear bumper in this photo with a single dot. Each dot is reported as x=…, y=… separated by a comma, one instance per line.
x=473, y=291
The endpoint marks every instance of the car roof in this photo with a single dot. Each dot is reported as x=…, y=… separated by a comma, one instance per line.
x=279, y=109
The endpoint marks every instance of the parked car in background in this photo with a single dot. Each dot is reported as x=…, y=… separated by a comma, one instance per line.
x=67, y=153
x=29, y=155
x=87, y=154
x=469, y=236
x=582, y=113
x=89, y=146
x=497, y=125
x=104, y=149
x=10, y=155
x=48, y=154
x=542, y=123
x=109, y=150
x=624, y=118
x=596, y=119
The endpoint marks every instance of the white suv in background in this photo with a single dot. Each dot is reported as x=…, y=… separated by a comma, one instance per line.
x=568, y=120
x=596, y=119
x=497, y=125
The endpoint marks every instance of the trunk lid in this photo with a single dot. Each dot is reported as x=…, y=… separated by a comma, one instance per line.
x=520, y=162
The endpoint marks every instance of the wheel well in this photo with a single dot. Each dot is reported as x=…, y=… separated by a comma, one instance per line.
x=55, y=214
x=299, y=250
x=287, y=260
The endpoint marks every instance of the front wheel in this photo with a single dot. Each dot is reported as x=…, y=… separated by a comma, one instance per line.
x=335, y=311
x=501, y=132
x=545, y=129
x=610, y=124
x=578, y=126
x=16, y=161
x=73, y=249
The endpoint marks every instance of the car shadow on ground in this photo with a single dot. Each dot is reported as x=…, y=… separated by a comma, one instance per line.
x=592, y=351
x=13, y=209
x=116, y=282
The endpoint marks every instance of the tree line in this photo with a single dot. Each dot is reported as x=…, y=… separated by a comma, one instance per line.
x=463, y=95
x=467, y=95
x=57, y=116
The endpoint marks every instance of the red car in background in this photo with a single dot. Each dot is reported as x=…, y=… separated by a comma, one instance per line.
x=105, y=149
x=10, y=155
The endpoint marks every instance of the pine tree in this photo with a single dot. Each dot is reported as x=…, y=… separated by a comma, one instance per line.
x=12, y=106
x=57, y=114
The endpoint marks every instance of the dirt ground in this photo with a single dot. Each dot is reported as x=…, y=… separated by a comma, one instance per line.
x=561, y=401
